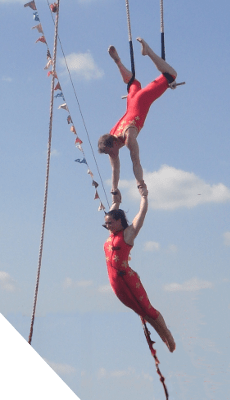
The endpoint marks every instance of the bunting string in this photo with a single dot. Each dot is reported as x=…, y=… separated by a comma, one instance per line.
x=60, y=95
x=81, y=114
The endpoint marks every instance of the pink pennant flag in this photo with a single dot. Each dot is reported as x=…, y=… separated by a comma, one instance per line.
x=96, y=196
x=41, y=39
x=31, y=4
x=73, y=129
x=69, y=119
x=90, y=173
x=38, y=27
x=54, y=7
x=51, y=73
x=95, y=184
x=101, y=207
x=48, y=65
x=58, y=86
x=63, y=106
x=78, y=141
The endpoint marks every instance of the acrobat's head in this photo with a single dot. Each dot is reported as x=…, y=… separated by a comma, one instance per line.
x=115, y=220
x=108, y=144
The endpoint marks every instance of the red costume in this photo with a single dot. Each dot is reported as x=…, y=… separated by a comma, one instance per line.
x=138, y=104
x=125, y=282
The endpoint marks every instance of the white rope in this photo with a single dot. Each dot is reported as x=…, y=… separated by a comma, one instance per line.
x=47, y=174
x=128, y=20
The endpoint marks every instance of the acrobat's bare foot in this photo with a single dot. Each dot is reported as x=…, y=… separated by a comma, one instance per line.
x=113, y=53
x=145, y=46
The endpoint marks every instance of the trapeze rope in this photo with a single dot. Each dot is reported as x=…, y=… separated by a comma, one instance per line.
x=130, y=46
x=82, y=117
x=162, y=30
x=47, y=174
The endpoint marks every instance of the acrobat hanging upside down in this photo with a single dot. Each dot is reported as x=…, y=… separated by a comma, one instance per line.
x=124, y=281
x=139, y=100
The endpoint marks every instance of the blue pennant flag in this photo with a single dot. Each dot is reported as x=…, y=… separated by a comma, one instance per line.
x=60, y=95
x=36, y=17
x=83, y=161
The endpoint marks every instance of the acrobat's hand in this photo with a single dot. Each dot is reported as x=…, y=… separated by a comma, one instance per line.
x=143, y=189
x=116, y=196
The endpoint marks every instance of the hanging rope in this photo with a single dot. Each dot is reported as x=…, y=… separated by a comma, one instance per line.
x=154, y=354
x=162, y=31
x=47, y=174
x=130, y=46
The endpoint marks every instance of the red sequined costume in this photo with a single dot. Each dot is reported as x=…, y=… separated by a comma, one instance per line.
x=125, y=282
x=138, y=104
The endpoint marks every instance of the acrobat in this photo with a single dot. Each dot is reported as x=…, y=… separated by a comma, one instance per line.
x=139, y=100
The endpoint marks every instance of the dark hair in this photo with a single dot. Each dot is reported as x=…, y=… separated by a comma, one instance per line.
x=119, y=214
x=104, y=141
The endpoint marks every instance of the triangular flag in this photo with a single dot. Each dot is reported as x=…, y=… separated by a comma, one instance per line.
x=69, y=119
x=41, y=39
x=58, y=86
x=31, y=4
x=64, y=106
x=90, y=173
x=81, y=161
x=101, y=207
x=38, y=27
x=48, y=54
x=78, y=141
x=95, y=184
x=73, y=129
x=36, y=17
x=54, y=7
x=59, y=95
x=96, y=196
x=51, y=73
x=48, y=65
x=79, y=147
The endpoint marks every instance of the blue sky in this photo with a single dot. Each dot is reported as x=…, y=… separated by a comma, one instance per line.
x=90, y=339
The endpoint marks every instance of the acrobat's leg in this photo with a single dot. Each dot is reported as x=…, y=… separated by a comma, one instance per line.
x=160, y=326
x=161, y=64
x=125, y=73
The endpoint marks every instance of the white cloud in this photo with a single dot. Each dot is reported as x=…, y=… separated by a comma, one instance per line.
x=6, y=282
x=61, y=369
x=105, y=289
x=129, y=372
x=151, y=246
x=172, y=248
x=83, y=65
x=54, y=153
x=171, y=188
x=226, y=236
x=69, y=283
x=189, y=286
x=6, y=78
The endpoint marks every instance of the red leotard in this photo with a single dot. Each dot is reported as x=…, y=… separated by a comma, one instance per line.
x=138, y=104
x=125, y=282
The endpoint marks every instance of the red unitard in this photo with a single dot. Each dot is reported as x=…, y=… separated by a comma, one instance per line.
x=125, y=282
x=138, y=104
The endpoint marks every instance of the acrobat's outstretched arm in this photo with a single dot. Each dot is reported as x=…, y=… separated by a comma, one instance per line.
x=132, y=144
x=115, y=164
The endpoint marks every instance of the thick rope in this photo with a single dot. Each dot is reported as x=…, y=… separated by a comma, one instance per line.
x=130, y=45
x=162, y=30
x=47, y=175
